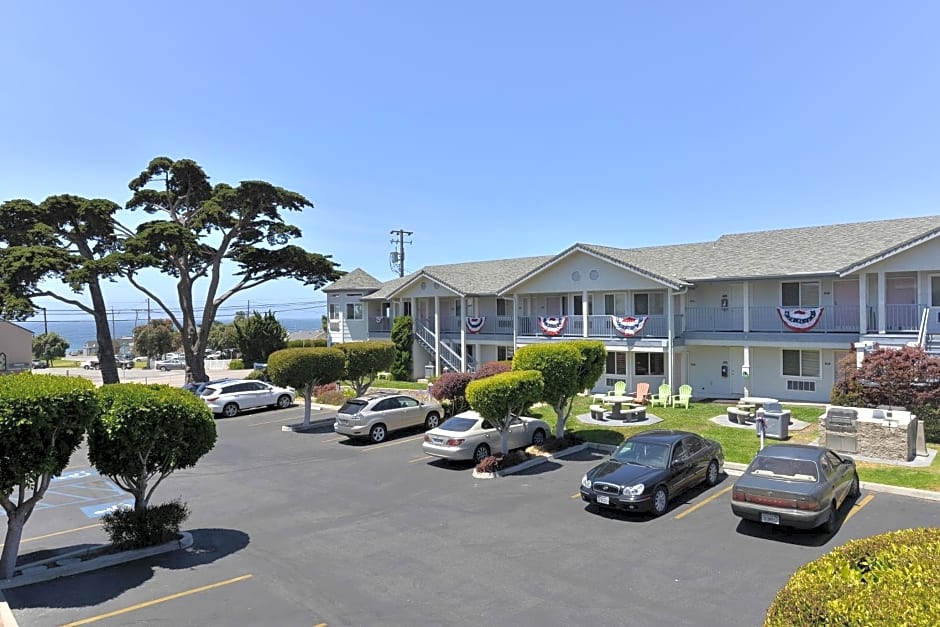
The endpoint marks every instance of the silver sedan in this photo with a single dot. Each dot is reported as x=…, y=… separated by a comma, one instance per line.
x=469, y=436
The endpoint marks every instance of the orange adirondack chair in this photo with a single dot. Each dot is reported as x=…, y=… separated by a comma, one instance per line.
x=642, y=391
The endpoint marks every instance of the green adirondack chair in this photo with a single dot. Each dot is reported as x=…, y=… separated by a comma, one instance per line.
x=620, y=389
x=662, y=398
x=683, y=397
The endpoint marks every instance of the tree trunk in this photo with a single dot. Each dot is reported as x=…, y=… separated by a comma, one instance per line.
x=106, y=363
x=562, y=418
x=11, y=544
x=308, y=403
x=504, y=441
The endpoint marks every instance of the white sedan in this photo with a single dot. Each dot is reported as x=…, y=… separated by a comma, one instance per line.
x=469, y=436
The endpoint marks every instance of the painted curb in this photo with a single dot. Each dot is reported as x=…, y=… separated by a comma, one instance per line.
x=6, y=614
x=76, y=568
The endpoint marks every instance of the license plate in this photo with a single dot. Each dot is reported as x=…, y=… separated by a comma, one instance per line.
x=773, y=519
x=437, y=440
x=603, y=500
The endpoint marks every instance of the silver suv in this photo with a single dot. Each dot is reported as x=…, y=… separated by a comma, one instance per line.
x=373, y=416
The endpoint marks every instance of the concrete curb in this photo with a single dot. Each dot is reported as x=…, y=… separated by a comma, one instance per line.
x=535, y=461
x=6, y=615
x=300, y=428
x=42, y=572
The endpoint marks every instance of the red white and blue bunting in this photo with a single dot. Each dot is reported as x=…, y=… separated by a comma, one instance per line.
x=552, y=326
x=630, y=325
x=475, y=324
x=800, y=319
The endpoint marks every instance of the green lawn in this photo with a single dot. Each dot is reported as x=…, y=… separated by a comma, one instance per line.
x=740, y=445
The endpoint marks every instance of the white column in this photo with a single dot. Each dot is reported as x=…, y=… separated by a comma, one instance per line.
x=862, y=303
x=463, y=334
x=437, y=335
x=669, y=335
x=585, y=319
x=515, y=322
x=882, y=297
x=746, y=295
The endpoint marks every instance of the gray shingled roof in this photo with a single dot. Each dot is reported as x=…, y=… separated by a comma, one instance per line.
x=813, y=250
x=357, y=279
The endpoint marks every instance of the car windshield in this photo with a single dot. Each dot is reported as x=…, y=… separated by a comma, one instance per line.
x=652, y=454
x=352, y=407
x=458, y=423
x=783, y=468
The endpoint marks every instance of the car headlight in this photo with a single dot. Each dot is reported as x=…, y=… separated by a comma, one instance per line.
x=586, y=482
x=633, y=490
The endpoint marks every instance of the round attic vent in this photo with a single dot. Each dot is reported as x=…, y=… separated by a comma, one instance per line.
x=424, y=285
x=594, y=274
x=575, y=276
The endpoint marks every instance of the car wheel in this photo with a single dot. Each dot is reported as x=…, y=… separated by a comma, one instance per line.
x=538, y=438
x=164, y=368
x=87, y=367
x=711, y=475
x=230, y=410
x=480, y=453
x=830, y=525
x=377, y=433
x=660, y=502
x=432, y=421
x=284, y=401
x=856, y=490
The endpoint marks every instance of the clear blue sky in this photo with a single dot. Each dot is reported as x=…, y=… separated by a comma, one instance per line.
x=489, y=129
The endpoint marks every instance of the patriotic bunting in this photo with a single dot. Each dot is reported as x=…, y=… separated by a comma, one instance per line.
x=800, y=319
x=630, y=325
x=552, y=326
x=475, y=324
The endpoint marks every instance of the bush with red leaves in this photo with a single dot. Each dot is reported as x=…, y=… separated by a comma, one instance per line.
x=492, y=367
x=452, y=386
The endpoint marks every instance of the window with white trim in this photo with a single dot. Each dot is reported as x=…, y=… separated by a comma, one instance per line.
x=649, y=364
x=335, y=311
x=504, y=353
x=615, y=305
x=503, y=307
x=616, y=363
x=649, y=304
x=800, y=363
x=799, y=294
x=354, y=311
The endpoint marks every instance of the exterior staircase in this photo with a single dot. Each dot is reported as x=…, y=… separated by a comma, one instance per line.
x=449, y=357
x=929, y=336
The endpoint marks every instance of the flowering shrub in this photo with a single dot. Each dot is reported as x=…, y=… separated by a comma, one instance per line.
x=490, y=464
x=329, y=394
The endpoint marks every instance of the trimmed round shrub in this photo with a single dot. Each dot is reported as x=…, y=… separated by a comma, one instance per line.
x=236, y=364
x=492, y=367
x=131, y=529
x=888, y=579
x=452, y=387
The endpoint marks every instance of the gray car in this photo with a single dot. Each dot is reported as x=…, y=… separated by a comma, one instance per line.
x=374, y=416
x=469, y=436
x=795, y=485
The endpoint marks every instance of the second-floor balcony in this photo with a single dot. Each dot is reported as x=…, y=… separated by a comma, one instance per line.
x=762, y=319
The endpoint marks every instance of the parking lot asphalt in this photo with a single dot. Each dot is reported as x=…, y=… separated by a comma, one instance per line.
x=312, y=529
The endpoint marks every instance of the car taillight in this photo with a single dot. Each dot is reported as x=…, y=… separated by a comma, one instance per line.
x=737, y=495
x=810, y=505
x=427, y=438
x=455, y=441
x=211, y=398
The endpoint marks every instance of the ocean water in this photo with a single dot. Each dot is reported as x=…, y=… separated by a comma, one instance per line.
x=77, y=332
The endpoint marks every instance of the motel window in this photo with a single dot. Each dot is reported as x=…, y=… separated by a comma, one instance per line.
x=799, y=294
x=617, y=363
x=504, y=353
x=335, y=310
x=354, y=311
x=614, y=304
x=798, y=363
x=649, y=304
x=649, y=364
x=503, y=307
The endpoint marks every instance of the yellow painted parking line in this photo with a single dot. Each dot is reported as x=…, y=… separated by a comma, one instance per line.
x=420, y=459
x=395, y=443
x=703, y=502
x=859, y=505
x=320, y=625
x=575, y=496
x=57, y=533
x=140, y=606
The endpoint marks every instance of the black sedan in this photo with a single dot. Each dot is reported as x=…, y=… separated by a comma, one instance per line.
x=651, y=467
x=795, y=485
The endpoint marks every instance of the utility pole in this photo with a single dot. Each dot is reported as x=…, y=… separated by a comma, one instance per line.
x=148, y=312
x=400, y=261
x=45, y=322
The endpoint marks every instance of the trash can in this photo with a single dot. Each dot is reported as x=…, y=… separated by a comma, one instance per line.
x=776, y=423
x=428, y=371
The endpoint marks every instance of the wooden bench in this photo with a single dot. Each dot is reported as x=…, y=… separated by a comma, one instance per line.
x=740, y=416
x=598, y=412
